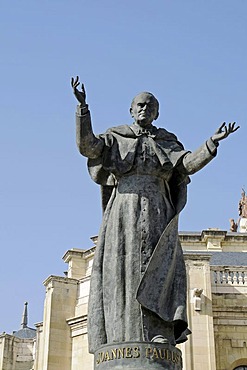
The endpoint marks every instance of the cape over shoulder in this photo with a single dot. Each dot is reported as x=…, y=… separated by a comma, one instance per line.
x=123, y=130
x=163, y=134
x=127, y=131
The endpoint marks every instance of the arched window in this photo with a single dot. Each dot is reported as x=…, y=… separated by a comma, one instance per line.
x=241, y=368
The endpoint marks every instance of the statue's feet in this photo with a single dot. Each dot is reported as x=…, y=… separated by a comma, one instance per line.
x=161, y=339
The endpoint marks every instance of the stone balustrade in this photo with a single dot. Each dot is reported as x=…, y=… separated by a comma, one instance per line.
x=223, y=277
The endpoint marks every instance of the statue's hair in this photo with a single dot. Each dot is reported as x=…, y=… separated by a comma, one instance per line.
x=148, y=93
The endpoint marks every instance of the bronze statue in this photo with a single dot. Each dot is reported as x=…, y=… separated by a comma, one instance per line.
x=138, y=282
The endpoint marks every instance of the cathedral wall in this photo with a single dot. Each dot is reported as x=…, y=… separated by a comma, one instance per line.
x=82, y=298
x=24, y=354
x=81, y=359
x=230, y=328
x=16, y=354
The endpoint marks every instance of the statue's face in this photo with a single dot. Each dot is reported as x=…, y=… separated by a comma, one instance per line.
x=144, y=109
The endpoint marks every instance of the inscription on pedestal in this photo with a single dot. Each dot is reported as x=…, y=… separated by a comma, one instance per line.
x=142, y=355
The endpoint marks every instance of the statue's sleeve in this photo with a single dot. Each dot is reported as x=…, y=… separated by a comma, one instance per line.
x=88, y=144
x=193, y=162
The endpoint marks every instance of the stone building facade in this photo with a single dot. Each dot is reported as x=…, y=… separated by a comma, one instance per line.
x=216, y=263
x=16, y=353
x=17, y=350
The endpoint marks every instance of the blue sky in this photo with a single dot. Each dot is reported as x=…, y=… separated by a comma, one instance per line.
x=191, y=54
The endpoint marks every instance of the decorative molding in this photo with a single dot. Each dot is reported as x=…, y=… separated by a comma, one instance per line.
x=65, y=280
x=78, y=325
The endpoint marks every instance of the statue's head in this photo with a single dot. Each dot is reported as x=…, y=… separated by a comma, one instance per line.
x=144, y=108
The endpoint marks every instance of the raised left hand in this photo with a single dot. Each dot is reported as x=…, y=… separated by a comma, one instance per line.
x=224, y=131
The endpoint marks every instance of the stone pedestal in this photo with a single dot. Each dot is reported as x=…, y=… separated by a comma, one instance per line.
x=138, y=356
x=243, y=225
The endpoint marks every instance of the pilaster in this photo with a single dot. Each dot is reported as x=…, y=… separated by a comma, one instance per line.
x=59, y=305
x=198, y=351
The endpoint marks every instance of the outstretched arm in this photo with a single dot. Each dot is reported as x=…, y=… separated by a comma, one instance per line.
x=193, y=162
x=88, y=144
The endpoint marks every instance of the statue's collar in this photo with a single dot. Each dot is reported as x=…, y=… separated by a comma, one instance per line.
x=139, y=131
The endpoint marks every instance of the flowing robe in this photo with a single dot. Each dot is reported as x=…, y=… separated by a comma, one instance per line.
x=138, y=282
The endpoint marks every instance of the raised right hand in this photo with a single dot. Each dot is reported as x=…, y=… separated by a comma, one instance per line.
x=80, y=95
